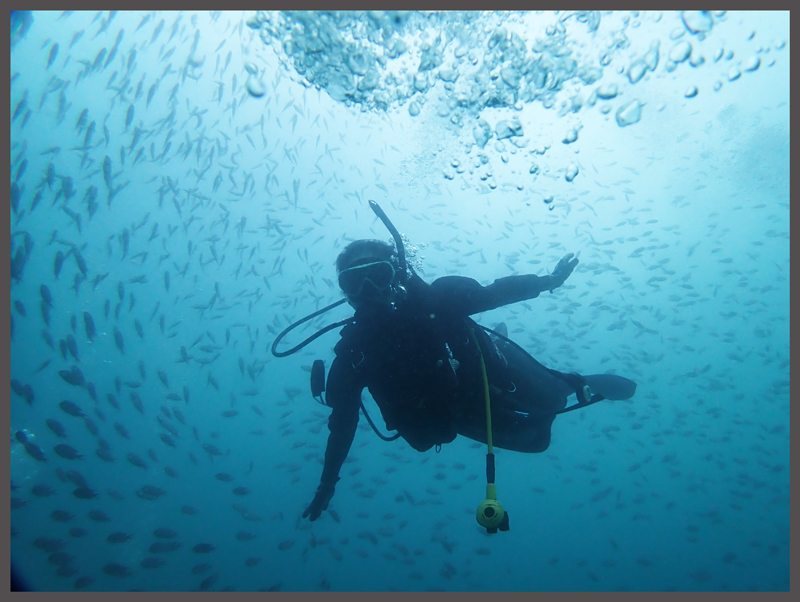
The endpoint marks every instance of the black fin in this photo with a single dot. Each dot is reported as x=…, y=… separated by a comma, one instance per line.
x=611, y=386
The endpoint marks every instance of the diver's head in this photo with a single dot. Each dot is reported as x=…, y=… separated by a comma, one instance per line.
x=368, y=274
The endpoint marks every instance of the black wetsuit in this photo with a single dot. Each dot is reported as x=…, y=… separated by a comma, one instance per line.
x=404, y=357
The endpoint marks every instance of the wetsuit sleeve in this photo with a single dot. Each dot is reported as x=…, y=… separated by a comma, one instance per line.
x=344, y=397
x=467, y=296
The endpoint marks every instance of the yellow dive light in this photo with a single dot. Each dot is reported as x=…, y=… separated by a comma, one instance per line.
x=490, y=513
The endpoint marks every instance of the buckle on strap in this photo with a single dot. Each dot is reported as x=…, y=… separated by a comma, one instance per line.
x=360, y=361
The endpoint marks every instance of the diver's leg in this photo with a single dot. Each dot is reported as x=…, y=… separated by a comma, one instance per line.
x=524, y=403
x=532, y=386
x=519, y=432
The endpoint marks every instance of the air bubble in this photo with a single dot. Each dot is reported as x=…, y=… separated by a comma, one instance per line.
x=629, y=113
x=571, y=136
x=636, y=71
x=677, y=33
x=651, y=58
x=697, y=60
x=752, y=63
x=358, y=62
x=448, y=75
x=508, y=128
x=680, y=52
x=481, y=133
x=510, y=76
x=255, y=87
x=572, y=172
x=607, y=91
x=697, y=21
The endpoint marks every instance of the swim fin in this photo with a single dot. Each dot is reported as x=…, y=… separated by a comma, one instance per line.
x=502, y=330
x=611, y=386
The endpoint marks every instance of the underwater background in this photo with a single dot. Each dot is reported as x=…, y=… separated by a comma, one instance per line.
x=181, y=184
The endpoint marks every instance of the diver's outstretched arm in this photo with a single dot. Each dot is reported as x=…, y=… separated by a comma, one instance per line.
x=344, y=397
x=466, y=296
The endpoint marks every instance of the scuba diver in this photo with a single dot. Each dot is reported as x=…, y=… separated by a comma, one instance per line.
x=430, y=367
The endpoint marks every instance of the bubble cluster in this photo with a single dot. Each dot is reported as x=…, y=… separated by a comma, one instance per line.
x=380, y=60
x=475, y=72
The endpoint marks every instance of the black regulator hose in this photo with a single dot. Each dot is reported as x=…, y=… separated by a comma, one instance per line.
x=316, y=335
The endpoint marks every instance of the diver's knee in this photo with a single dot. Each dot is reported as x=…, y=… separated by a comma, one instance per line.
x=539, y=442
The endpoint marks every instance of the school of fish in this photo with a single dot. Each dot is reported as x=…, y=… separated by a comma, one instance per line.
x=180, y=186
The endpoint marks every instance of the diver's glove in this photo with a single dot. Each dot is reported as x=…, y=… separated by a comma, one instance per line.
x=320, y=501
x=562, y=271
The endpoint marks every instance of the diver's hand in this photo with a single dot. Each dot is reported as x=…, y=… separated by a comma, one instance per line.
x=319, y=503
x=562, y=270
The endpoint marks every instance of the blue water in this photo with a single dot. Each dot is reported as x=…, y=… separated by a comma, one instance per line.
x=653, y=145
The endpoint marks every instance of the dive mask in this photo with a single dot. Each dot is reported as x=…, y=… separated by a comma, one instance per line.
x=378, y=273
